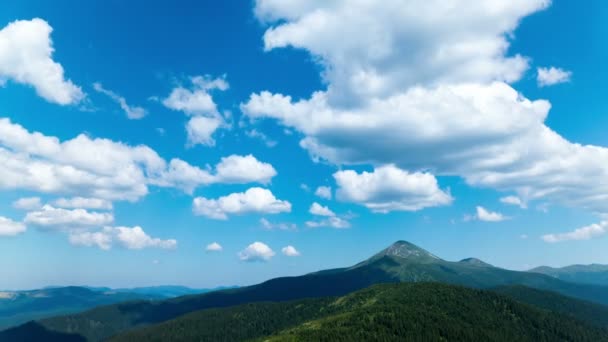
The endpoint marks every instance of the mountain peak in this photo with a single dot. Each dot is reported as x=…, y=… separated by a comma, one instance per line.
x=406, y=250
x=475, y=262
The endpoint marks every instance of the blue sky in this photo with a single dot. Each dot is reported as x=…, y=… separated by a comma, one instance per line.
x=422, y=126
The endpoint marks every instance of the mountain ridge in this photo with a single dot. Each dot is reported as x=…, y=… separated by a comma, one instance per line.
x=399, y=262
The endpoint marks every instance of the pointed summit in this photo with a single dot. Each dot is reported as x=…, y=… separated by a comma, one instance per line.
x=406, y=251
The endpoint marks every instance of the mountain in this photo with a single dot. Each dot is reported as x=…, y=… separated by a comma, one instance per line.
x=400, y=262
x=17, y=307
x=585, y=274
x=397, y=312
x=592, y=313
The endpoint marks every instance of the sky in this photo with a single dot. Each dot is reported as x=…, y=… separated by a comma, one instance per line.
x=205, y=143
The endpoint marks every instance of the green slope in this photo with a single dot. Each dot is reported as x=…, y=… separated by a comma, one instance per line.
x=397, y=312
x=400, y=262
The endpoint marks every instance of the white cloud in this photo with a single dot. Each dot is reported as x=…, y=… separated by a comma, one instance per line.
x=83, y=203
x=104, y=169
x=200, y=130
x=26, y=51
x=59, y=218
x=333, y=222
x=136, y=238
x=489, y=216
x=551, y=76
x=101, y=239
x=290, y=251
x=198, y=103
x=9, y=227
x=371, y=48
x=198, y=100
x=214, y=247
x=514, y=200
x=254, y=200
x=323, y=192
x=583, y=233
x=244, y=169
x=127, y=237
x=305, y=187
x=319, y=210
x=28, y=203
x=132, y=112
x=425, y=87
x=389, y=188
x=257, y=251
x=280, y=226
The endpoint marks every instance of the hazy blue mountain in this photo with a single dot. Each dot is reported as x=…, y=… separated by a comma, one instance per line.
x=400, y=262
x=17, y=307
x=586, y=274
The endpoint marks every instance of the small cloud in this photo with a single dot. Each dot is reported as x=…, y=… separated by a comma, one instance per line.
x=551, y=76
x=132, y=112
x=256, y=251
x=290, y=251
x=305, y=187
x=332, y=222
x=9, y=227
x=514, y=200
x=523, y=236
x=584, y=233
x=28, y=203
x=319, y=210
x=255, y=134
x=214, y=247
x=323, y=192
x=277, y=226
x=489, y=216
x=156, y=262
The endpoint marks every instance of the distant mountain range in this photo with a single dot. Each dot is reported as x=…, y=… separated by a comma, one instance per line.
x=17, y=307
x=585, y=274
x=400, y=262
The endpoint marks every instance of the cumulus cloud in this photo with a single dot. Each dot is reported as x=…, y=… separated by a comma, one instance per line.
x=514, y=200
x=214, y=247
x=200, y=130
x=83, y=203
x=198, y=103
x=374, y=49
x=198, y=99
x=257, y=251
x=59, y=218
x=489, y=216
x=132, y=112
x=323, y=192
x=254, y=200
x=28, y=203
x=26, y=57
x=426, y=88
x=319, y=210
x=389, y=188
x=583, y=233
x=290, y=251
x=551, y=76
x=277, y=226
x=127, y=237
x=244, y=169
x=9, y=227
x=105, y=169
